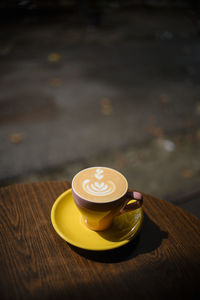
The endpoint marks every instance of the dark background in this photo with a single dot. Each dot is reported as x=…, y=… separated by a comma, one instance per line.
x=111, y=83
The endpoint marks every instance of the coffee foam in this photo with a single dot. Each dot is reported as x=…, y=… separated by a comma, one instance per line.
x=99, y=184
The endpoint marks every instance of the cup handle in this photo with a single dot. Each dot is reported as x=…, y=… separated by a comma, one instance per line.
x=134, y=205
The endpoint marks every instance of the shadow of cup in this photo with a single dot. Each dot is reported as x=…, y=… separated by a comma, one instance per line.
x=124, y=226
x=149, y=239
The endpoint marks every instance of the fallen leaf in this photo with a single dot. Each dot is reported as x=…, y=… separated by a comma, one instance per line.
x=17, y=138
x=164, y=98
x=106, y=107
x=187, y=173
x=56, y=82
x=54, y=57
x=156, y=131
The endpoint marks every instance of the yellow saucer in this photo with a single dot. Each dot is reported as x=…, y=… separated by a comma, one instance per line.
x=67, y=222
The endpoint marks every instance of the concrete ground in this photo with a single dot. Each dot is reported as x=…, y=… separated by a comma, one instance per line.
x=124, y=95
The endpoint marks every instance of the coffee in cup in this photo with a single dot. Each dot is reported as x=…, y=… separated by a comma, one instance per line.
x=100, y=194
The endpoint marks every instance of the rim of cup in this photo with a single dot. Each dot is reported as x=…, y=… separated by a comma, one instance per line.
x=96, y=167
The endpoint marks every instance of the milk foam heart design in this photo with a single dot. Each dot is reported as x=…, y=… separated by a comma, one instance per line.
x=99, y=185
x=98, y=188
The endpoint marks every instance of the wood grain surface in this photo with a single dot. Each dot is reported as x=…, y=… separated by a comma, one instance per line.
x=163, y=262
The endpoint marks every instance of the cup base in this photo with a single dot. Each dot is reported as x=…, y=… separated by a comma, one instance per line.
x=95, y=227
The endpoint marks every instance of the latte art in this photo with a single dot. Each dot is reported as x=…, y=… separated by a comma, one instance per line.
x=98, y=188
x=100, y=184
x=98, y=174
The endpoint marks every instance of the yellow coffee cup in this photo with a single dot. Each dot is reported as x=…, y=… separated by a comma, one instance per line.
x=101, y=193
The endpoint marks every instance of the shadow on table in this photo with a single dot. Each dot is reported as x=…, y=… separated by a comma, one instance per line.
x=149, y=239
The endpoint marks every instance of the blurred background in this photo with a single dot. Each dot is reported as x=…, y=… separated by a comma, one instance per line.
x=109, y=83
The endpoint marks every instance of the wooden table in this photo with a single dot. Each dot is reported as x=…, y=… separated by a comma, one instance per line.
x=163, y=262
